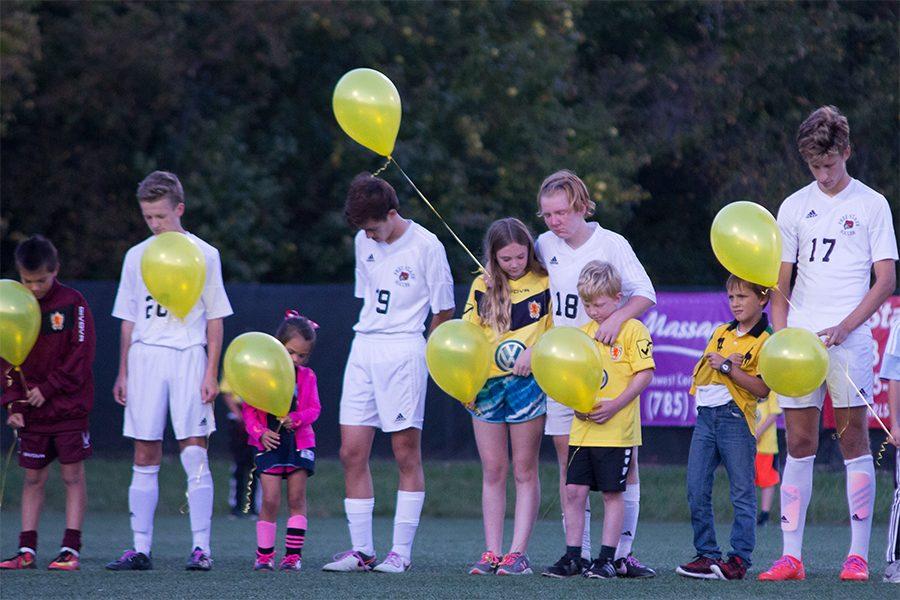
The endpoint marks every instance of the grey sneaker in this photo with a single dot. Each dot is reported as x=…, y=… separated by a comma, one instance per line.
x=515, y=563
x=892, y=572
x=198, y=561
x=601, y=569
x=131, y=561
x=486, y=565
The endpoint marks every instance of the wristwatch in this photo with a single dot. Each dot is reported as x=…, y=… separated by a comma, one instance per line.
x=725, y=367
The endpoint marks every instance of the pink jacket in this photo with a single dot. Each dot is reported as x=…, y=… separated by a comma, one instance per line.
x=302, y=418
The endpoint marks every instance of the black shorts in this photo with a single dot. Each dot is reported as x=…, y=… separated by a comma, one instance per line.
x=285, y=459
x=600, y=468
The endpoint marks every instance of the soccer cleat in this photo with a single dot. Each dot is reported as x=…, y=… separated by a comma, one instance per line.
x=601, y=569
x=699, y=568
x=198, y=561
x=65, y=561
x=291, y=562
x=264, y=562
x=515, y=563
x=393, y=563
x=349, y=561
x=892, y=572
x=131, y=561
x=631, y=568
x=855, y=569
x=730, y=570
x=567, y=566
x=785, y=568
x=22, y=560
x=486, y=565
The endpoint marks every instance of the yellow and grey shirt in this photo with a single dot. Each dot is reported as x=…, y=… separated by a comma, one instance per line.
x=530, y=317
x=767, y=443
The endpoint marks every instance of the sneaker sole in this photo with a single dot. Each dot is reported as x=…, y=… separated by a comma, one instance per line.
x=684, y=573
x=720, y=575
x=594, y=576
x=525, y=572
x=480, y=572
x=555, y=576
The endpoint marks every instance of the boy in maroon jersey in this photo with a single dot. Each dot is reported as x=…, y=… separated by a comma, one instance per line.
x=50, y=411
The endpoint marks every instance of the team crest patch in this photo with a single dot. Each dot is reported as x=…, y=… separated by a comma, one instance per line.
x=645, y=348
x=405, y=276
x=57, y=321
x=849, y=224
x=615, y=352
x=534, y=309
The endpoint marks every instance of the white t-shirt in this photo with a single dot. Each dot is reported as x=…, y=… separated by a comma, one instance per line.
x=400, y=281
x=833, y=241
x=152, y=323
x=565, y=264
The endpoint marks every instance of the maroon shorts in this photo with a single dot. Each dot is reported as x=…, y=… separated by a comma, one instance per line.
x=37, y=450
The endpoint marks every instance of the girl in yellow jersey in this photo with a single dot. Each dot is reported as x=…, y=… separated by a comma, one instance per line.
x=511, y=302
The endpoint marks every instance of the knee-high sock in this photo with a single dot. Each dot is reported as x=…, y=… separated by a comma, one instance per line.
x=861, y=501
x=200, y=494
x=632, y=497
x=796, y=489
x=406, y=521
x=296, y=535
x=265, y=537
x=359, y=520
x=143, y=494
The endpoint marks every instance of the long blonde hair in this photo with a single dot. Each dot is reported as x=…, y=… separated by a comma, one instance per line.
x=495, y=309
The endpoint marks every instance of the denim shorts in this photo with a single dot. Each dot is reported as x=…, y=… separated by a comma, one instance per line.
x=509, y=399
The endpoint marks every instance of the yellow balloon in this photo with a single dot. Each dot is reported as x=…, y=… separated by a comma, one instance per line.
x=259, y=369
x=20, y=321
x=793, y=362
x=566, y=364
x=746, y=240
x=458, y=355
x=367, y=107
x=174, y=270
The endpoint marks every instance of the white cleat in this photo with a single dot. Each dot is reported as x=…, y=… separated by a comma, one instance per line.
x=350, y=561
x=393, y=563
x=892, y=573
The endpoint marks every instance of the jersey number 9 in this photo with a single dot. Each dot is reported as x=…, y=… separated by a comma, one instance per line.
x=384, y=300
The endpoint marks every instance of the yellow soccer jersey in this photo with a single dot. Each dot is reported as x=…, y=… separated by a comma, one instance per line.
x=768, y=442
x=530, y=298
x=631, y=353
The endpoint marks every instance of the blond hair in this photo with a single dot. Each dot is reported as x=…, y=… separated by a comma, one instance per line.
x=734, y=281
x=574, y=188
x=598, y=279
x=825, y=132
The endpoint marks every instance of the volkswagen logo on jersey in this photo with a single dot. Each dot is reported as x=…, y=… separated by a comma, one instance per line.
x=507, y=353
x=848, y=224
x=605, y=379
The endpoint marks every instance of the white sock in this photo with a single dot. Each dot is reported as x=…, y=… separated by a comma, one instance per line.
x=796, y=489
x=586, y=535
x=200, y=494
x=359, y=520
x=406, y=521
x=143, y=494
x=632, y=497
x=861, y=501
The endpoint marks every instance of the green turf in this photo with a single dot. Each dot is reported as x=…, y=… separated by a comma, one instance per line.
x=443, y=548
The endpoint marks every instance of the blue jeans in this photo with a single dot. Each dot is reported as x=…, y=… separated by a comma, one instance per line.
x=721, y=435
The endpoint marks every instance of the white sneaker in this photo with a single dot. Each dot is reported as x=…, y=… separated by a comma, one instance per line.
x=393, y=563
x=350, y=561
x=892, y=572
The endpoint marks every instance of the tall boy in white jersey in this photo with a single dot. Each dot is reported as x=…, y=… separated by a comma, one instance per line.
x=836, y=231
x=164, y=369
x=401, y=273
x=570, y=244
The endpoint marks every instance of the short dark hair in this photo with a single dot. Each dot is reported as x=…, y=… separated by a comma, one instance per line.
x=36, y=252
x=369, y=198
x=294, y=325
x=158, y=185
x=760, y=290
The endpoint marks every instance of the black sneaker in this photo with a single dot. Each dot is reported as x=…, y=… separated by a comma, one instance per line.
x=199, y=561
x=763, y=519
x=601, y=569
x=131, y=561
x=632, y=568
x=567, y=566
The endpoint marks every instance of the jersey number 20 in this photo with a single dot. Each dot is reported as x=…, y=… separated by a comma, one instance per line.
x=160, y=311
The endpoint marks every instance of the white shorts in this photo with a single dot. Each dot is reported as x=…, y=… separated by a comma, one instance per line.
x=559, y=418
x=854, y=356
x=165, y=380
x=385, y=382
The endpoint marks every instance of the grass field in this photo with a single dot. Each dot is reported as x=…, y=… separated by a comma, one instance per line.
x=450, y=537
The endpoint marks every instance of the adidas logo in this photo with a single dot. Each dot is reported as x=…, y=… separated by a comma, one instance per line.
x=371, y=258
x=400, y=418
x=856, y=517
x=627, y=534
x=784, y=519
x=203, y=422
x=811, y=214
x=553, y=261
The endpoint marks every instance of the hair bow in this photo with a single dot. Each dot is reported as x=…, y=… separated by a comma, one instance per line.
x=293, y=314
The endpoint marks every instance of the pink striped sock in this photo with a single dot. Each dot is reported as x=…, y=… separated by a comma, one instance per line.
x=296, y=534
x=265, y=537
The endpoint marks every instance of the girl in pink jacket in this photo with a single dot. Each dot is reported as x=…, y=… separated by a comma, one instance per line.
x=286, y=450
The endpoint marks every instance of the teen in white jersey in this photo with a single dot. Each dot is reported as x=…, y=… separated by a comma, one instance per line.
x=570, y=244
x=168, y=366
x=836, y=231
x=401, y=274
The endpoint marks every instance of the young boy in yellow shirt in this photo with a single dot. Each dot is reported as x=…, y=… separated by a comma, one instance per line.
x=601, y=442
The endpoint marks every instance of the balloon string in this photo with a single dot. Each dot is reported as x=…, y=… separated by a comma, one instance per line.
x=6, y=465
x=383, y=167
x=248, y=493
x=571, y=458
x=874, y=414
x=788, y=300
x=22, y=378
x=186, y=508
x=434, y=210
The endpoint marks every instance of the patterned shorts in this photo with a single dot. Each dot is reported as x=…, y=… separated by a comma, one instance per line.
x=509, y=399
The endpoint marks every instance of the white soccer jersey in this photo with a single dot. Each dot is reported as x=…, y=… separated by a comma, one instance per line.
x=834, y=241
x=152, y=323
x=564, y=265
x=399, y=282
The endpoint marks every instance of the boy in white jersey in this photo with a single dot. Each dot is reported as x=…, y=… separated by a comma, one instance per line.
x=401, y=273
x=164, y=368
x=836, y=231
x=570, y=244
